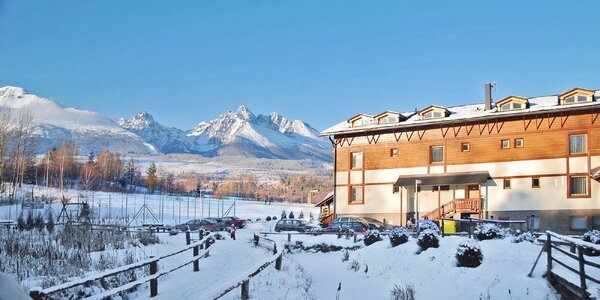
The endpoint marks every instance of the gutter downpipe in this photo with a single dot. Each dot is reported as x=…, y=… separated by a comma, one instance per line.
x=334, y=176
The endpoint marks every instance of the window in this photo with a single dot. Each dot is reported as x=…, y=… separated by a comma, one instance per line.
x=519, y=143
x=435, y=188
x=535, y=182
x=578, y=223
x=578, y=185
x=582, y=99
x=394, y=152
x=357, y=160
x=388, y=119
x=505, y=144
x=570, y=100
x=596, y=222
x=357, y=195
x=437, y=154
x=465, y=147
x=534, y=222
x=507, y=184
x=578, y=99
x=577, y=143
x=396, y=189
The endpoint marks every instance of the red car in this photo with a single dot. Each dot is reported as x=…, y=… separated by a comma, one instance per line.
x=239, y=223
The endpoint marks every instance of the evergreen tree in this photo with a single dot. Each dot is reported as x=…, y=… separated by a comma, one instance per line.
x=50, y=224
x=29, y=225
x=21, y=222
x=38, y=222
x=91, y=158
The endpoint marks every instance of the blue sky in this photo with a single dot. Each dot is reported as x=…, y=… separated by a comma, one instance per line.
x=319, y=61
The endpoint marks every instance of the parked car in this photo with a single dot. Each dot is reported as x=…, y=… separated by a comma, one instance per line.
x=220, y=222
x=375, y=224
x=196, y=224
x=239, y=223
x=340, y=223
x=294, y=225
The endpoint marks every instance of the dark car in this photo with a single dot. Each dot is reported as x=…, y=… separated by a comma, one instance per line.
x=374, y=223
x=294, y=225
x=220, y=222
x=356, y=224
x=239, y=223
x=197, y=224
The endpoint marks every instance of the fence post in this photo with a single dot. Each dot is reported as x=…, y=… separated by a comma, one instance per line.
x=200, y=234
x=582, y=272
x=549, y=251
x=256, y=237
x=470, y=229
x=289, y=237
x=154, y=281
x=354, y=236
x=278, y=262
x=443, y=231
x=35, y=295
x=274, y=248
x=246, y=289
x=197, y=261
x=188, y=239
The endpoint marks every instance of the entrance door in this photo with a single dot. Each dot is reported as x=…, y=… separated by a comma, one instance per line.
x=473, y=191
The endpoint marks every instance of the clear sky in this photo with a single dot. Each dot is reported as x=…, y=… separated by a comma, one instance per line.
x=319, y=61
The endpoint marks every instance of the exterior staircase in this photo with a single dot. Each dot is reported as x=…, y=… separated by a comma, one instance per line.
x=468, y=205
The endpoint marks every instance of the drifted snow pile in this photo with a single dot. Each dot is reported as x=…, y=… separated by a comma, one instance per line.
x=487, y=232
x=428, y=239
x=398, y=236
x=593, y=237
x=372, y=236
x=469, y=254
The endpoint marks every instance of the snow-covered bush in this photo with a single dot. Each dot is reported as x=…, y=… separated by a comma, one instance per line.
x=398, y=236
x=372, y=236
x=523, y=236
x=268, y=218
x=469, y=254
x=428, y=239
x=431, y=226
x=274, y=218
x=593, y=237
x=147, y=237
x=405, y=291
x=487, y=232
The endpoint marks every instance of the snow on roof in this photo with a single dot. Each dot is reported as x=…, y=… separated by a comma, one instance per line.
x=466, y=112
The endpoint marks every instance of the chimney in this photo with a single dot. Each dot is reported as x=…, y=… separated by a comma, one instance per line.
x=488, y=96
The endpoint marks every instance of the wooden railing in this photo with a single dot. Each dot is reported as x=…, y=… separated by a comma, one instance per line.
x=203, y=242
x=244, y=279
x=453, y=206
x=578, y=290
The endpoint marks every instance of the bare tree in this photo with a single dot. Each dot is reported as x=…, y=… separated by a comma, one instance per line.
x=5, y=117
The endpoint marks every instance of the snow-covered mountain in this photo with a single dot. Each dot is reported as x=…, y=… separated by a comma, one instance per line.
x=234, y=133
x=53, y=123
x=242, y=133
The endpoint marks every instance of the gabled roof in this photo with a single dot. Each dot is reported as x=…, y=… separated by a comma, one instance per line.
x=575, y=91
x=512, y=98
x=359, y=116
x=432, y=107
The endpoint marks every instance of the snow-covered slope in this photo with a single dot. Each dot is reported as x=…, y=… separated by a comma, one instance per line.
x=53, y=123
x=242, y=133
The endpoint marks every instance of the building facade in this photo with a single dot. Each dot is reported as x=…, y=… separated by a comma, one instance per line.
x=532, y=159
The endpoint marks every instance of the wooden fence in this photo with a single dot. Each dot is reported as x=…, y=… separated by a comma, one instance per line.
x=572, y=289
x=244, y=280
x=202, y=243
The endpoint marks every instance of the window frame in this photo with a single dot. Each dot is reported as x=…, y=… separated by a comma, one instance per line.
x=462, y=147
x=396, y=154
x=502, y=144
x=504, y=183
x=539, y=181
x=585, y=144
x=587, y=225
x=431, y=154
x=530, y=223
x=351, y=193
x=569, y=186
x=522, y=142
x=362, y=160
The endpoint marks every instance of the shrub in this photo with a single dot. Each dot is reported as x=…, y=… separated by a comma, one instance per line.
x=403, y=292
x=301, y=215
x=487, y=232
x=428, y=239
x=430, y=225
x=21, y=222
x=38, y=222
x=291, y=216
x=147, y=237
x=469, y=254
x=398, y=236
x=355, y=265
x=50, y=224
x=593, y=237
x=268, y=218
x=274, y=218
x=524, y=236
x=372, y=236
x=346, y=256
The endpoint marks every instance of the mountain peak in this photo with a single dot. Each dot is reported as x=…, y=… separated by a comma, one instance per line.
x=12, y=91
x=139, y=121
x=245, y=112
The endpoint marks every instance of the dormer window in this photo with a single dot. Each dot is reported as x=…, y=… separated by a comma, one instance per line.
x=576, y=95
x=512, y=103
x=433, y=112
x=360, y=120
x=388, y=117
